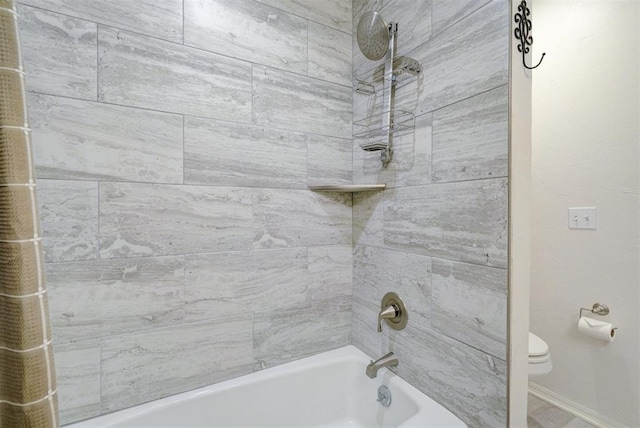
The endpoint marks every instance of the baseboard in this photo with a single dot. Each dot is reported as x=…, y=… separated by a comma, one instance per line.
x=575, y=409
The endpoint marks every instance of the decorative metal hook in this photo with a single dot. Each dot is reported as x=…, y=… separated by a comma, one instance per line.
x=522, y=32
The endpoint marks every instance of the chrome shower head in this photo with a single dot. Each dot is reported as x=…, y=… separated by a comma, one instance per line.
x=373, y=36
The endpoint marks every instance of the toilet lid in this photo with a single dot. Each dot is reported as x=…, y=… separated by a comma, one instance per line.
x=537, y=346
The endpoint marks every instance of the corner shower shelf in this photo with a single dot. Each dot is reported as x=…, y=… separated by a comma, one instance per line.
x=349, y=188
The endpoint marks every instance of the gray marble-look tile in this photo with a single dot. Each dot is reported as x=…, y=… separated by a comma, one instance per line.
x=369, y=102
x=144, y=72
x=153, y=364
x=578, y=423
x=470, y=305
x=465, y=221
x=329, y=160
x=362, y=6
x=546, y=415
x=283, y=336
x=333, y=13
x=78, y=378
x=411, y=163
x=471, y=138
x=414, y=22
x=300, y=103
x=330, y=271
x=145, y=220
x=224, y=284
x=532, y=423
x=447, y=12
x=470, y=383
x=100, y=298
x=368, y=211
x=329, y=54
x=377, y=271
x=90, y=140
x=159, y=19
x=72, y=71
x=247, y=30
x=234, y=154
x=299, y=218
x=468, y=58
x=69, y=216
x=364, y=335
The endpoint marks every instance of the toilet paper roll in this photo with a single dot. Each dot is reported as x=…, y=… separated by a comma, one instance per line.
x=597, y=329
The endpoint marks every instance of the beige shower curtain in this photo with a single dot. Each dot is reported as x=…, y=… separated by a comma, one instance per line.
x=27, y=377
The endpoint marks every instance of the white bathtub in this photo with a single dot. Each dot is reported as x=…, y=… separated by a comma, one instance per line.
x=326, y=390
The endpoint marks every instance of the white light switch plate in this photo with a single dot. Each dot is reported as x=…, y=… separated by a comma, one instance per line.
x=582, y=218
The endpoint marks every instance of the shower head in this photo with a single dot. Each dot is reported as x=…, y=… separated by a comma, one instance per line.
x=373, y=36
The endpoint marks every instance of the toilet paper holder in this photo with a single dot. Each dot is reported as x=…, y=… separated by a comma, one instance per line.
x=598, y=309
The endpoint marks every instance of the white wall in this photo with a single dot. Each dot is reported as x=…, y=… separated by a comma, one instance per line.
x=585, y=153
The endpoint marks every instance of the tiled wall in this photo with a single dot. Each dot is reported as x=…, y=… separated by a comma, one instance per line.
x=174, y=142
x=438, y=236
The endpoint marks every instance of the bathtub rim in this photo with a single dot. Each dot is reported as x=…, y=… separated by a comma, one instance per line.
x=345, y=353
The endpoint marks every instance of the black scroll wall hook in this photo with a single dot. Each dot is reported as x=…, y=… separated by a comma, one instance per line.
x=522, y=32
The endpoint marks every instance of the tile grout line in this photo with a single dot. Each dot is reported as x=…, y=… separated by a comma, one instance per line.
x=183, y=149
x=98, y=240
x=188, y=46
x=246, y=123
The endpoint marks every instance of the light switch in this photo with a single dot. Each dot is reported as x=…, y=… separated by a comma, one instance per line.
x=582, y=218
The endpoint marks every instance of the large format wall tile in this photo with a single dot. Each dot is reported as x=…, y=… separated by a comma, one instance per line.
x=329, y=54
x=283, y=336
x=330, y=269
x=290, y=101
x=329, y=160
x=72, y=71
x=69, y=216
x=269, y=157
x=465, y=221
x=377, y=271
x=470, y=383
x=224, y=284
x=101, y=298
x=89, y=140
x=144, y=220
x=153, y=364
x=247, y=30
x=78, y=379
x=470, y=305
x=143, y=72
x=333, y=13
x=471, y=138
x=162, y=19
x=414, y=22
x=298, y=218
x=447, y=12
x=466, y=59
x=364, y=323
x=368, y=210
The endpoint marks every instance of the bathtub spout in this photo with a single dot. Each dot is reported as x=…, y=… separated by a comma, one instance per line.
x=389, y=360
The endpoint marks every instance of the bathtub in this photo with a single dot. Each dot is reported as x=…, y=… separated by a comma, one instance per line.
x=326, y=390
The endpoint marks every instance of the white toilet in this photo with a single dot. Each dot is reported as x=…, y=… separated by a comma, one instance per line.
x=539, y=357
